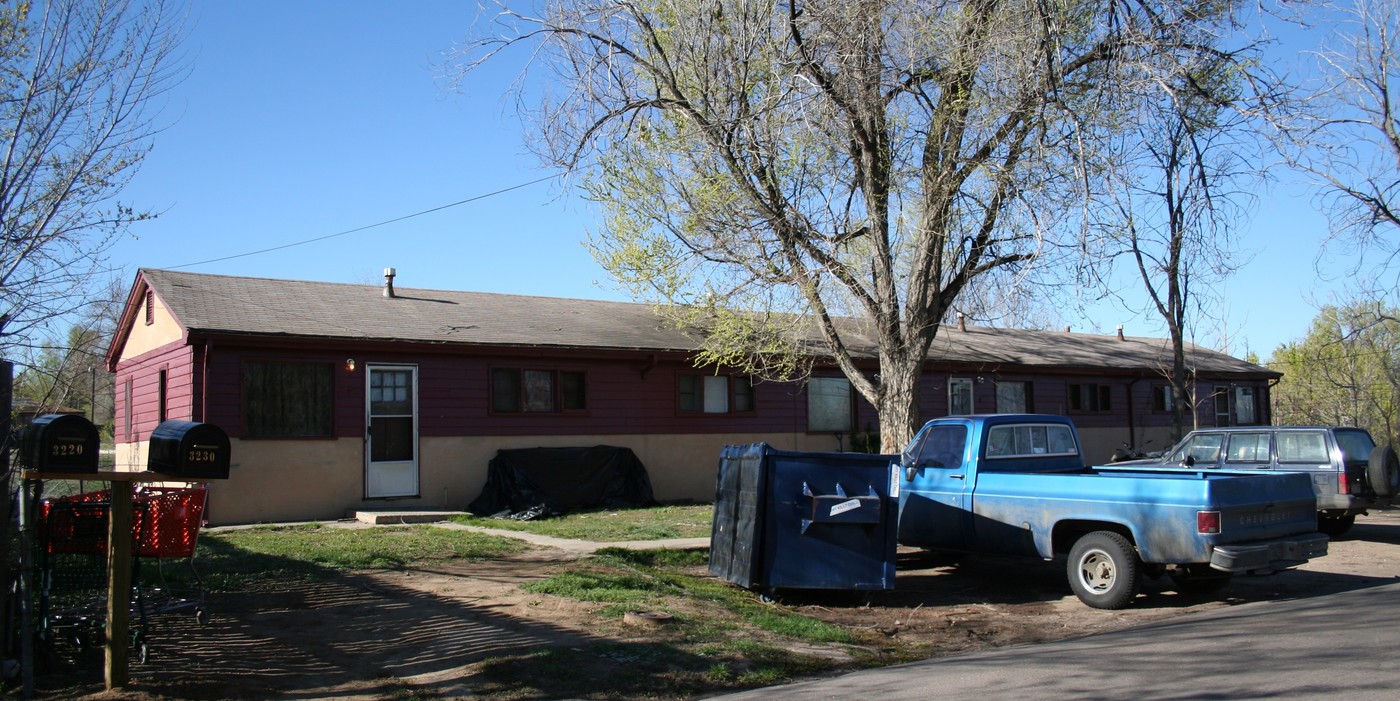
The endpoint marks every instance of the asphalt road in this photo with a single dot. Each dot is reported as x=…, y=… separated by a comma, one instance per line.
x=1341, y=647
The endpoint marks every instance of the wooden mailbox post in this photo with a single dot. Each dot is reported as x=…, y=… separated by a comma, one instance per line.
x=65, y=450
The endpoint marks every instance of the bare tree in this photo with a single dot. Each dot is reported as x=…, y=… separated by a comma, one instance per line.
x=769, y=167
x=1178, y=190
x=1346, y=133
x=78, y=83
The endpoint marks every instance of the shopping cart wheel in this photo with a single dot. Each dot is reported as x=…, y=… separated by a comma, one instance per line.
x=201, y=616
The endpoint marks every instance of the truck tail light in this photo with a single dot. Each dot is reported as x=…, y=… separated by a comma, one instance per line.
x=1207, y=522
x=1342, y=486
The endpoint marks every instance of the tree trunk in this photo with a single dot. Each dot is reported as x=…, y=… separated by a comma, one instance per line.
x=898, y=403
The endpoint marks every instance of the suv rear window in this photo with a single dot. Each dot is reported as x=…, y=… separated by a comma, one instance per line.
x=1355, y=443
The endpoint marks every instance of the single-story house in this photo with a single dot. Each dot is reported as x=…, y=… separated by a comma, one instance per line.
x=340, y=397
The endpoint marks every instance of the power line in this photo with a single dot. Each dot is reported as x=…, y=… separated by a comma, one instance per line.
x=369, y=226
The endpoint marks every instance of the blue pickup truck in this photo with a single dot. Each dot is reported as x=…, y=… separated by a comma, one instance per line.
x=1019, y=485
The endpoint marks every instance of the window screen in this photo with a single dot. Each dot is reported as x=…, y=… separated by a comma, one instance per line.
x=829, y=404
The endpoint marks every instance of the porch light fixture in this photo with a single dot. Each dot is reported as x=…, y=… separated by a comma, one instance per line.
x=350, y=365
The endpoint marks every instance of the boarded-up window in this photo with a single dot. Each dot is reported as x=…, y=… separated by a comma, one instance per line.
x=288, y=399
x=829, y=407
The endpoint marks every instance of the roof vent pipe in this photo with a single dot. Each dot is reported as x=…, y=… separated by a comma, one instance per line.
x=962, y=322
x=1120, y=332
x=389, y=274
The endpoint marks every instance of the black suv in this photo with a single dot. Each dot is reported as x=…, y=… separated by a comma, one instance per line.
x=1350, y=473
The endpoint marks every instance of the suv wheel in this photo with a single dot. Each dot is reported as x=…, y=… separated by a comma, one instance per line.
x=1383, y=471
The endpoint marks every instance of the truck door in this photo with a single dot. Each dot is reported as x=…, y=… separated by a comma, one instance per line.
x=933, y=500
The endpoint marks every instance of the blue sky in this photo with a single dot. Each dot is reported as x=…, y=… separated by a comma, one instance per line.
x=301, y=120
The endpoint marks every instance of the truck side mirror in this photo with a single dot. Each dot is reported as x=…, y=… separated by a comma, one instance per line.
x=1188, y=461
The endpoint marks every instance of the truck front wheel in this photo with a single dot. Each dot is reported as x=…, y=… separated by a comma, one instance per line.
x=1104, y=570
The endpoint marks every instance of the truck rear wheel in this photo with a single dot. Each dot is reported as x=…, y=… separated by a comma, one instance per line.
x=1104, y=570
x=1383, y=471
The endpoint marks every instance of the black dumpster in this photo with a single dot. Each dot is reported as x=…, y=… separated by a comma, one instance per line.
x=189, y=449
x=60, y=443
x=792, y=520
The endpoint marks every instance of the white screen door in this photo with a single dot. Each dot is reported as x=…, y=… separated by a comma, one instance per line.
x=391, y=455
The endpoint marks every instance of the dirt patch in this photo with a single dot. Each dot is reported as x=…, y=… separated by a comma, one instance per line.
x=427, y=632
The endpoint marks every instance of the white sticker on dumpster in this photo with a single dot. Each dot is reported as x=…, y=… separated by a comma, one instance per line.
x=843, y=507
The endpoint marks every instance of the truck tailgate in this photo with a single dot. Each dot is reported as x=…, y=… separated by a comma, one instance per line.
x=1259, y=507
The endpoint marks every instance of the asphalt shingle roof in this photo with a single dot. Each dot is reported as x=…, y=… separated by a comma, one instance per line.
x=296, y=308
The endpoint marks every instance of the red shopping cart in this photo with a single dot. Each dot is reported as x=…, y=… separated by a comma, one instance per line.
x=165, y=523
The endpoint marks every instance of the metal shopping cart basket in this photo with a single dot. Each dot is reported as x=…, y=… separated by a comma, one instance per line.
x=165, y=524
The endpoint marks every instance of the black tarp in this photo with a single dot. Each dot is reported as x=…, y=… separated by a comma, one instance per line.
x=537, y=482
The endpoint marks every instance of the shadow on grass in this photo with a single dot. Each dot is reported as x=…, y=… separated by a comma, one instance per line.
x=296, y=630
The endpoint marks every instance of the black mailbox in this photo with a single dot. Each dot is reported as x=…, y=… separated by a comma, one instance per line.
x=189, y=449
x=60, y=443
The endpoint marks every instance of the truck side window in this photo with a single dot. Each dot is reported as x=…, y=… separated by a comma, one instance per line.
x=943, y=447
x=1308, y=447
x=911, y=451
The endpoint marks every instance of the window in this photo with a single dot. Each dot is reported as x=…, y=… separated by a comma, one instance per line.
x=829, y=407
x=1305, y=447
x=161, y=379
x=1089, y=398
x=1355, y=443
x=714, y=394
x=959, y=396
x=126, y=400
x=1201, y=448
x=1162, y=400
x=150, y=307
x=1013, y=397
x=1248, y=447
x=1244, y=406
x=531, y=391
x=943, y=447
x=1222, y=407
x=288, y=399
x=1021, y=440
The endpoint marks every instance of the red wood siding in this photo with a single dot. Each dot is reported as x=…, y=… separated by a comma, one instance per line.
x=182, y=383
x=626, y=392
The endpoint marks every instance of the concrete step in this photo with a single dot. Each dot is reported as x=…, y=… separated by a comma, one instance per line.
x=386, y=517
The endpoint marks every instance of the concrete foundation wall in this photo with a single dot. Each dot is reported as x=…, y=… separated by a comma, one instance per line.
x=286, y=481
